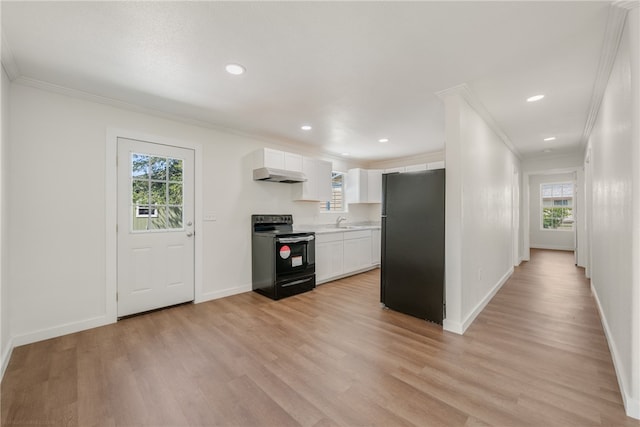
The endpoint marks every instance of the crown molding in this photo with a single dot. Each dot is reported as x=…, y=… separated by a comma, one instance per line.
x=8, y=60
x=463, y=91
x=612, y=36
x=112, y=102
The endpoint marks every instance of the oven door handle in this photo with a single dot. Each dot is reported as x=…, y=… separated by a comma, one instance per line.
x=297, y=282
x=295, y=239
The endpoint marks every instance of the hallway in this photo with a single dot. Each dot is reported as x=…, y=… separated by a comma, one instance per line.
x=536, y=356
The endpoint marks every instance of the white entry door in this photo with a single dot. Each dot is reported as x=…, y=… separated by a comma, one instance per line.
x=155, y=226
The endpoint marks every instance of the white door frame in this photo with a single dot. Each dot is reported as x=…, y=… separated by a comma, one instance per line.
x=111, y=211
x=526, y=254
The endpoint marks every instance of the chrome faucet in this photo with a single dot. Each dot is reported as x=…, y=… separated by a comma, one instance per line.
x=340, y=219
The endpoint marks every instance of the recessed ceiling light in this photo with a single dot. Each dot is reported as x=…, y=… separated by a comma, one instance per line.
x=383, y=140
x=235, y=69
x=535, y=98
x=345, y=154
x=305, y=127
x=551, y=138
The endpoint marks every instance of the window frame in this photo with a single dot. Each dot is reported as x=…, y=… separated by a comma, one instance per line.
x=542, y=207
x=344, y=209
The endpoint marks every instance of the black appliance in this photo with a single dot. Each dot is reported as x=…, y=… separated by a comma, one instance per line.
x=412, y=265
x=283, y=261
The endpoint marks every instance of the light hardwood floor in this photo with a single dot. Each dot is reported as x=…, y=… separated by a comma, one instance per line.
x=536, y=356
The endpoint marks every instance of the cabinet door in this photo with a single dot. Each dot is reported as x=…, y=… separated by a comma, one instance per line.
x=310, y=186
x=375, y=246
x=374, y=186
x=292, y=162
x=357, y=254
x=323, y=176
x=364, y=250
x=323, y=261
x=354, y=184
x=329, y=260
x=273, y=158
x=351, y=256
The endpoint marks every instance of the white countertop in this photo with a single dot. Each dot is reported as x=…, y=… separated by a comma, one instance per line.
x=331, y=228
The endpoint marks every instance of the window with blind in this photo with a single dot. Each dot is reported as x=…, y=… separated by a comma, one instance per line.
x=336, y=204
x=556, y=203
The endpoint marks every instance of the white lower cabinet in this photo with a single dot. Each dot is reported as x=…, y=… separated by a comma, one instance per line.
x=329, y=256
x=357, y=250
x=376, y=243
x=343, y=253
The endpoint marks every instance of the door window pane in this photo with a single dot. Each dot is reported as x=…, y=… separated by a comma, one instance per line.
x=175, y=170
x=174, y=217
x=140, y=166
x=175, y=194
x=159, y=222
x=159, y=168
x=140, y=192
x=156, y=193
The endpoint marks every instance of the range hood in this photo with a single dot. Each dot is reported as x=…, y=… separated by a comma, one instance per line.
x=278, y=175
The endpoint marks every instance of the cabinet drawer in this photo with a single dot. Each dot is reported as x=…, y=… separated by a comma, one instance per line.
x=358, y=234
x=329, y=237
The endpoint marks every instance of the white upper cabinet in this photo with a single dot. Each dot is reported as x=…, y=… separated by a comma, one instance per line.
x=414, y=168
x=364, y=186
x=317, y=187
x=324, y=171
x=276, y=159
x=374, y=186
x=394, y=170
x=435, y=165
x=418, y=167
x=293, y=162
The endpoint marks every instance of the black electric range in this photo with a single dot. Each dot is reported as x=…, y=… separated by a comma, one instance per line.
x=282, y=261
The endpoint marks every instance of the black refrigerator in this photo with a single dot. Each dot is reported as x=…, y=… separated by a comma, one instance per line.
x=412, y=265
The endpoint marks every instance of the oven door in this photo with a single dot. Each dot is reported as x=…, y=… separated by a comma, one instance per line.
x=294, y=254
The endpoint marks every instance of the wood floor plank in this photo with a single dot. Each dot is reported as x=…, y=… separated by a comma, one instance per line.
x=536, y=356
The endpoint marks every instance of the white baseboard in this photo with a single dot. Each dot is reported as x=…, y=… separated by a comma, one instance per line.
x=451, y=326
x=631, y=406
x=6, y=356
x=461, y=327
x=208, y=296
x=56, y=331
x=553, y=247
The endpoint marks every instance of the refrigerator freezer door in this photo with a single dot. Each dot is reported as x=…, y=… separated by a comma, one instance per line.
x=412, y=269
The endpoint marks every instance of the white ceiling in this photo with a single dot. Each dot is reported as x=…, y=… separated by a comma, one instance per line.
x=355, y=71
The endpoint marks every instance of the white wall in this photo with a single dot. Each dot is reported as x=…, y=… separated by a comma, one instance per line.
x=479, y=234
x=615, y=217
x=538, y=237
x=57, y=207
x=5, y=335
x=553, y=162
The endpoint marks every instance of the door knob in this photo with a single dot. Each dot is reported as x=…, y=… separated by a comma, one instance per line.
x=190, y=233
